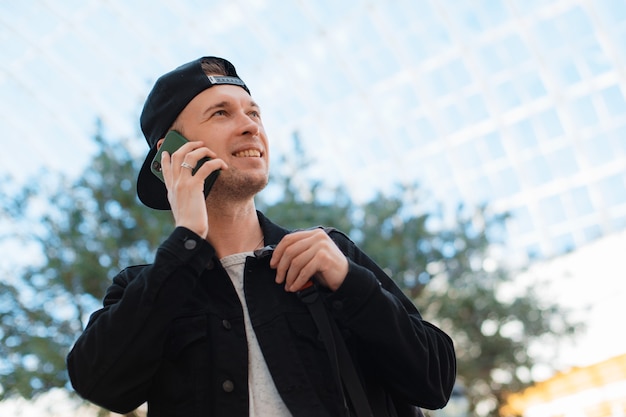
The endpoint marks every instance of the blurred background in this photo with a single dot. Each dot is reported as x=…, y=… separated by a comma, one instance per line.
x=517, y=104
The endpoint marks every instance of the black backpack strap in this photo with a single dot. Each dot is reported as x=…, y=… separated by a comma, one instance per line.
x=341, y=361
x=380, y=404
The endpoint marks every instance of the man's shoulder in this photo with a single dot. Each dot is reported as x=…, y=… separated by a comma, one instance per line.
x=130, y=272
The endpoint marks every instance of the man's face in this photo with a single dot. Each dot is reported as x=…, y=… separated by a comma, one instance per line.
x=228, y=121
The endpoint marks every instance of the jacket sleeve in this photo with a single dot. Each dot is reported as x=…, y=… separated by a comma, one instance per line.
x=413, y=358
x=112, y=362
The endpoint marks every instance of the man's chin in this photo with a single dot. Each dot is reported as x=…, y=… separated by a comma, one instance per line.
x=239, y=187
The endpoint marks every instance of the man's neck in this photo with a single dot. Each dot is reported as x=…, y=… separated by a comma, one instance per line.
x=234, y=229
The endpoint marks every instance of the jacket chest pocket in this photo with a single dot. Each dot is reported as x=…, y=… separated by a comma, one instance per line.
x=187, y=350
x=186, y=333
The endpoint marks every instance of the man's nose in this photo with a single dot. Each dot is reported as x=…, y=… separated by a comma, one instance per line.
x=248, y=125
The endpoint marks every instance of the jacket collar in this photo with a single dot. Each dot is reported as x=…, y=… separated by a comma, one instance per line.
x=272, y=232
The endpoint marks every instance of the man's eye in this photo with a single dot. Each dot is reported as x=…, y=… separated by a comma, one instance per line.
x=220, y=113
x=255, y=114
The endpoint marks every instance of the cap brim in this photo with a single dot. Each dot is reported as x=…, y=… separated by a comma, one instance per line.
x=150, y=189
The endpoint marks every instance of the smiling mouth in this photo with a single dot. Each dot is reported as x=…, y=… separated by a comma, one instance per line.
x=248, y=153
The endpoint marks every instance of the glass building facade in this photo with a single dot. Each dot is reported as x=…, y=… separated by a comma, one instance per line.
x=518, y=103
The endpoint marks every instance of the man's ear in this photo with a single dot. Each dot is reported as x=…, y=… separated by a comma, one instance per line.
x=159, y=143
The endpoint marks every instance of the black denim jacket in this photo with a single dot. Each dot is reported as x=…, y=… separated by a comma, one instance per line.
x=172, y=333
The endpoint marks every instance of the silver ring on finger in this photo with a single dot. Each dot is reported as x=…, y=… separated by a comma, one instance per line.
x=186, y=165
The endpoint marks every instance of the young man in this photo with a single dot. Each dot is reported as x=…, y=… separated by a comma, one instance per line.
x=215, y=327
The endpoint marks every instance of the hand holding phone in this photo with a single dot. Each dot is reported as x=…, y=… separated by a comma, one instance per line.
x=173, y=141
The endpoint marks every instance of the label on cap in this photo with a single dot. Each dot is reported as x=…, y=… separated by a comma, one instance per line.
x=225, y=80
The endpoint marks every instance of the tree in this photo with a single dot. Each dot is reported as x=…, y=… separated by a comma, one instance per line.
x=80, y=234
x=89, y=229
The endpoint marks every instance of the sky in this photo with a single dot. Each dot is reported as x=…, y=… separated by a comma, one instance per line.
x=518, y=103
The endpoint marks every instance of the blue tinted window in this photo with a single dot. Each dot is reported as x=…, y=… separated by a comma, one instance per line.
x=581, y=201
x=25, y=13
x=613, y=189
x=397, y=100
x=515, y=50
x=533, y=251
x=564, y=243
x=480, y=190
x=583, y=112
x=531, y=85
x=618, y=223
x=507, y=96
x=434, y=31
x=457, y=74
x=437, y=167
x=537, y=171
x=399, y=135
x=493, y=13
x=425, y=131
x=612, y=10
x=522, y=220
x=620, y=43
x=411, y=41
x=563, y=162
x=505, y=183
x=592, y=232
x=551, y=37
x=475, y=109
x=12, y=47
x=492, y=143
x=597, y=150
x=596, y=59
x=453, y=119
x=467, y=21
x=335, y=85
x=287, y=22
x=448, y=78
x=568, y=72
x=550, y=124
x=528, y=6
x=371, y=63
x=614, y=100
x=575, y=24
x=321, y=8
x=436, y=83
x=552, y=210
x=490, y=59
x=467, y=155
x=619, y=139
x=523, y=135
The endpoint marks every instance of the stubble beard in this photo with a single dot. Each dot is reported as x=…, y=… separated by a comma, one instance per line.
x=236, y=185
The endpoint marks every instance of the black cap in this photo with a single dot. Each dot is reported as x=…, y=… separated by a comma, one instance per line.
x=169, y=96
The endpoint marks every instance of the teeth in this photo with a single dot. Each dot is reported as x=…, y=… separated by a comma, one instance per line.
x=248, y=153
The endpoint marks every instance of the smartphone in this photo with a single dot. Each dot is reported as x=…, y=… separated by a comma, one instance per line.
x=173, y=141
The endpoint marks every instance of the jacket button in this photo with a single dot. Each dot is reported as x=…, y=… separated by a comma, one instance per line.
x=228, y=386
x=190, y=244
x=226, y=324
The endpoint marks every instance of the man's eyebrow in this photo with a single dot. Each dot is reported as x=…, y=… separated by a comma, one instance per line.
x=224, y=104
x=212, y=107
x=254, y=104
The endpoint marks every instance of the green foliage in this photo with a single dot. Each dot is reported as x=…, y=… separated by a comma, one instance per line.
x=88, y=230
x=80, y=235
x=492, y=319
